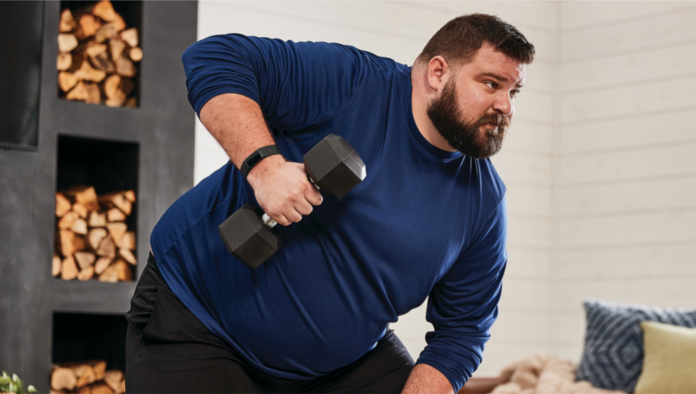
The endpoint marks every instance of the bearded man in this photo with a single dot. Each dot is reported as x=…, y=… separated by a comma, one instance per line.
x=428, y=221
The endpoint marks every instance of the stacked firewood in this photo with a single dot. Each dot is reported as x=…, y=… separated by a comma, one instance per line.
x=87, y=377
x=97, y=56
x=92, y=238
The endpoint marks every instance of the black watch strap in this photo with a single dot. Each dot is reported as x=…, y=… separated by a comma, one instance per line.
x=256, y=157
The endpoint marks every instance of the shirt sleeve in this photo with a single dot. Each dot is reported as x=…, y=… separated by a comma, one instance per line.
x=464, y=304
x=297, y=85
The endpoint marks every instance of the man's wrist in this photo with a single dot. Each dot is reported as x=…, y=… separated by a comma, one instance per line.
x=262, y=168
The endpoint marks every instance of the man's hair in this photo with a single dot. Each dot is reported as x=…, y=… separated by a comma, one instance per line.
x=460, y=39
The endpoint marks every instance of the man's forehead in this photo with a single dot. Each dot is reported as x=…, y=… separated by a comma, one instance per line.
x=494, y=63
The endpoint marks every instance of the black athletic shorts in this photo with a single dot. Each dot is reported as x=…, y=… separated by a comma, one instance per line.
x=168, y=350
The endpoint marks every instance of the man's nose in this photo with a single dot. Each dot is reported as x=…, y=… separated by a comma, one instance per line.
x=503, y=104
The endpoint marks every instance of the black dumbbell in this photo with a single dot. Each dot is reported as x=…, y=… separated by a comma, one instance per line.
x=332, y=165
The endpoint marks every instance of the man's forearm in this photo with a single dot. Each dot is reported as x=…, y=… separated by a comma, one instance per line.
x=425, y=379
x=237, y=124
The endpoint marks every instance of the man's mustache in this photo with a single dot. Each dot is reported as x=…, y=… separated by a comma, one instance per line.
x=502, y=121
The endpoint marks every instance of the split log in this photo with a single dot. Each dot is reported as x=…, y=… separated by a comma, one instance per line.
x=55, y=269
x=62, y=205
x=129, y=194
x=127, y=241
x=97, y=219
x=106, y=32
x=110, y=274
x=127, y=255
x=125, y=67
x=118, y=200
x=95, y=236
x=87, y=25
x=117, y=100
x=68, y=270
x=101, y=388
x=130, y=36
x=88, y=73
x=107, y=248
x=132, y=102
x=70, y=243
x=99, y=367
x=103, y=63
x=84, y=374
x=64, y=61
x=84, y=195
x=123, y=386
x=85, y=91
x=83, y=390
x=113, y=379
x=119, y=23
x=115, y=215
x=102, y=264
x=105, y=10
x=117, y=230
x=62, y=378
x=123, y=271
x=66, y=42
x=116, y=47
x=80, y=226
x=67, y=81
x=85, y=259
x=136, y=54
x=93, y=49
x=67, y=221
x=80, y=209
x=86, y=274
x=67, y=22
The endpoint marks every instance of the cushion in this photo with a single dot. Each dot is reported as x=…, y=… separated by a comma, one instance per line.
x=670, y=360
x=613, y=354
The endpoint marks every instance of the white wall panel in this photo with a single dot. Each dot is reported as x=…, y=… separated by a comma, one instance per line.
x=579, y=15
x=528, y=200
x=541, y=16
x=528, y=264
x=632, y=35
x=668, y=261
x=638, y=131
x=667, y=227
x=627, y=198
x=528, y=137
x=529, y=231
x=668, y=293
x=660, y=63
x=629, y=101
x=518, y=167
x=623, y=166
x=525, y=295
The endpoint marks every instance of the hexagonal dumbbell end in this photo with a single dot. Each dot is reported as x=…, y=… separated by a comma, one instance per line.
x=248, y=238
x=334, y=166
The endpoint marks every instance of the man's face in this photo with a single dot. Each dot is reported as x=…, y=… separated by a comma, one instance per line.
x=477, y=103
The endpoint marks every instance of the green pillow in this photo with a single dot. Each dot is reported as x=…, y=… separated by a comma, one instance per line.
x=669, y=366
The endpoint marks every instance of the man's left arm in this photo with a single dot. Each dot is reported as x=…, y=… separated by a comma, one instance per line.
x=462, y=308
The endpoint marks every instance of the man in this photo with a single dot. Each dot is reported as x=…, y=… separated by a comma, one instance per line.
x=429, y=219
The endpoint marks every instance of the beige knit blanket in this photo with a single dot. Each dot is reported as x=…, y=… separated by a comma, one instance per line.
x=544, y=374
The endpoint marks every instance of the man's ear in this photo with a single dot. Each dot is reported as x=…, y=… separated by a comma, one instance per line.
x=438, y=72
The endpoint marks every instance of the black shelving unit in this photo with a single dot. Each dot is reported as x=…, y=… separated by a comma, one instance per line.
x=37, y=310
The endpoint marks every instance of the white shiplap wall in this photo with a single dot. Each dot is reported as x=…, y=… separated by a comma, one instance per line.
x=626, y=179
x=399, y=30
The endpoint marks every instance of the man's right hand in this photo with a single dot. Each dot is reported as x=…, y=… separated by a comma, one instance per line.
x=283, y=190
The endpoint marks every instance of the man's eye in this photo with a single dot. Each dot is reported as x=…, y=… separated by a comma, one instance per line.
x=491, y=84
x=514, y=93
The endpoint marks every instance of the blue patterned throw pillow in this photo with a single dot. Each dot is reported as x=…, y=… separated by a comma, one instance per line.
x=613, y=355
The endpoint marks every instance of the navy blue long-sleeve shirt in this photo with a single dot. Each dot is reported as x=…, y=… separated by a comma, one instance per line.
x=424, y=222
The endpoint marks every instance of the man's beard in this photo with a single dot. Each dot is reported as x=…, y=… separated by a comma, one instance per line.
x=466, y=137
